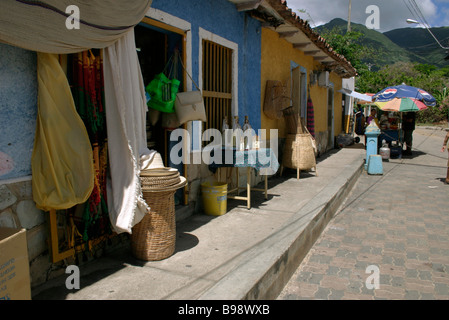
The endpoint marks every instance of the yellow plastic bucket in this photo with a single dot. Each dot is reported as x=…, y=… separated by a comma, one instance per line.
x=214, y=198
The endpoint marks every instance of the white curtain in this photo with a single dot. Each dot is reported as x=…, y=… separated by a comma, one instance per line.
x=126, y=121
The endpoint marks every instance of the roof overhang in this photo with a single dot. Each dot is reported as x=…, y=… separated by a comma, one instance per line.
x=276, y=16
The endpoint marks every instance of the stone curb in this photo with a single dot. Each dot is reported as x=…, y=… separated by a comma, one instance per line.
x=270, y=264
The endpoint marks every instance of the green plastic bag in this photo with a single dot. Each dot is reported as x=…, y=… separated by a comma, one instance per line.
x=163, y=93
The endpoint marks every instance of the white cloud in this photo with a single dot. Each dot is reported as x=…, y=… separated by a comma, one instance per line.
x=393, y=13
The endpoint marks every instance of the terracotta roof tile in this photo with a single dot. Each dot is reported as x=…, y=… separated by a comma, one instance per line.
x=288, y=15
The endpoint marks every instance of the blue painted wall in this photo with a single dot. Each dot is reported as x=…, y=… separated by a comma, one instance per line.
x=222, y=18
x=18, y=83
x=18, y=110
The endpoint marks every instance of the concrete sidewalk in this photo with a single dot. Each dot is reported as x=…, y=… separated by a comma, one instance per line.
x=244, y=254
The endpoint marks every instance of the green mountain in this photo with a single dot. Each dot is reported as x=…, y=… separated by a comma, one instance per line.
x=400, y=45
x=421, y=42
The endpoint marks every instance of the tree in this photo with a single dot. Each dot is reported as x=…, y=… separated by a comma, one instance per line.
x=348, y=45
x=422, y=76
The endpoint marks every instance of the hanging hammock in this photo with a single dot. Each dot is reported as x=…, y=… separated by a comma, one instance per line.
x=88, y=94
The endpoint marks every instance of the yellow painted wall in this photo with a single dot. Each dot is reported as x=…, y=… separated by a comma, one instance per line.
x=338, y=108
x=277, y=53
x=276, y=56
x=319, y=100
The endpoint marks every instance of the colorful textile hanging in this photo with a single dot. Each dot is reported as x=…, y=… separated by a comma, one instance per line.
x=61, y=162
x=88, y=94
x=310, y=117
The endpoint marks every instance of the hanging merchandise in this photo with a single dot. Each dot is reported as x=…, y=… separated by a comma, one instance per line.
x=170, y=121
x=126, y=118
x=310, y=116
x=88, y=94
x=276, y=99
x=61, y=162
x=154, y=116
x=162, y=90
x=189, y=106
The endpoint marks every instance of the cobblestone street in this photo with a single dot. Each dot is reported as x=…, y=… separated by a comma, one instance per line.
x=397, y=222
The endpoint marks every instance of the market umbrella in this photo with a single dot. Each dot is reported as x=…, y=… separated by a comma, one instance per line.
x=401, y=105
x=403, y=98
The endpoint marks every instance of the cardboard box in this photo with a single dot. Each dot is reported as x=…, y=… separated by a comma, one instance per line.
x=14, y=265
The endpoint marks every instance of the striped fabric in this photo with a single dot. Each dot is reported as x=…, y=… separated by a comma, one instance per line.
x=310, y=117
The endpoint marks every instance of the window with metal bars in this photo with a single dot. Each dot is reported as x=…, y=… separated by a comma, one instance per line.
x=217, y=84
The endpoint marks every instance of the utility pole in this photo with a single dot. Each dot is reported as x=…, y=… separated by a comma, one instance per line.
x=349, y=16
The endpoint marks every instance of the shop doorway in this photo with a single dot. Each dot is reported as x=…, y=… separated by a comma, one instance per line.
x=299, y=92
x=156, y=44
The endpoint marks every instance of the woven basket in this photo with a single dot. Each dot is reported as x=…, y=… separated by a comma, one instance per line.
x=154, y=237
x=291, y=120
x=276, y=99
x=298, y=152
x=148, y=182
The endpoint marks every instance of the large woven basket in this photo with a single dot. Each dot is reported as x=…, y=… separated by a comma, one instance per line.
x=154, y=237
x=150, y=183
x=291, y=120
x=298, y=152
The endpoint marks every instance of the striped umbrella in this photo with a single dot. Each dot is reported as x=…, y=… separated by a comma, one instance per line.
x=403, y=98
x=401, y=105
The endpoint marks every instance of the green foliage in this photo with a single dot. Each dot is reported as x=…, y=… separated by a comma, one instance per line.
x=383, y=51
x=426, y=69
x=423, y=76
x=349, y=45
x=359, y=50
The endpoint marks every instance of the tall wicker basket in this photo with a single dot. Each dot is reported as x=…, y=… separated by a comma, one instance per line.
x=299, y=153
x=154, y=237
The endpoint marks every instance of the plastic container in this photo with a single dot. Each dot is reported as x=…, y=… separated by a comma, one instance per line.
x=396, y=152
x=214, y=196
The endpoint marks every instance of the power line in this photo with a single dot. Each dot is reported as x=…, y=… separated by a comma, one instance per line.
x=416, y=11
x=409, y=9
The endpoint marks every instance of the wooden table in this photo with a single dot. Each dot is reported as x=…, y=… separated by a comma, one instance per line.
x=250, y=159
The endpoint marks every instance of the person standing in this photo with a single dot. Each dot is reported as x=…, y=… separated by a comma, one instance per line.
x=373, y=116
x=442, y=150
x=408, y=125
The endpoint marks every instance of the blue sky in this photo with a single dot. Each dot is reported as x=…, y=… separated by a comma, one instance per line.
x=392, y=13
